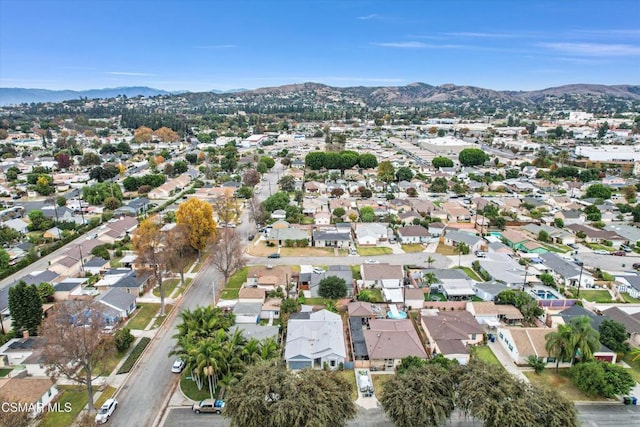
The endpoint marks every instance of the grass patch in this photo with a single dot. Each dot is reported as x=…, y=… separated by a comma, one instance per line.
x=556, y=249
x=238, y=278
x=196, y=267
x=105, y=367
x=180, y=289
x=169, y=286
x=190, y=389
x=4, y=372
x=443, y=249
x=411, y=248
x=315, y=301
x=378, y=381
x=115, y=262
x=561, y=382
x=158, y=320
x=307, y=220
x=144, y=314
x=355, y=270
x=76, y=396
x=596, y=296
x=350, y=376
x=134, y=355
x=367, y=251
x=435, y=296
x=628, y=298
x=596, y=246
x=260, y=248
x=635, y=366
x=230, y=294
x=306, y=252
x=472, y=274
x=107, y=393
x=485, y=354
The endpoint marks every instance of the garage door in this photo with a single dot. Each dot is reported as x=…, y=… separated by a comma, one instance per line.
x=298, y=365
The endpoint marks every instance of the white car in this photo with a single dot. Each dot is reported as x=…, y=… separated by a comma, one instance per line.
x=106, y=410
x=178, y=366
x=601, y=252
x=372, y=261
x=318, y=270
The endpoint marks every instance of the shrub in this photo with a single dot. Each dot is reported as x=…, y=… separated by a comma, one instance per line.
x=135, y=354
x=123, y=339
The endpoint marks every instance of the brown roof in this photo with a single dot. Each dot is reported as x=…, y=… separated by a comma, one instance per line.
x=392, y=339
x=413, y=230
x=278, y=274
x=360, y=309
x=452, y=347
x=452, y=325
x=484, y=308
x=414, y=293
x=509, y=312
x=26, y=390
x=514, y=236
x=381, y=271
x=252, y=293
x=530, y=341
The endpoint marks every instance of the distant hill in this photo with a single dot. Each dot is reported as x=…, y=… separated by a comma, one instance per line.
x=14, y=96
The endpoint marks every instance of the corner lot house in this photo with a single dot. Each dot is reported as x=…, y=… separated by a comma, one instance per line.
x=315, y=339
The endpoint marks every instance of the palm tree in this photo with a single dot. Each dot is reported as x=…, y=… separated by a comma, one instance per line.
x=430, y=261
x=635, y=353
x=585, y=340
x=207, y=362
x=558, y=344
x=461, y=249
x=429, y=278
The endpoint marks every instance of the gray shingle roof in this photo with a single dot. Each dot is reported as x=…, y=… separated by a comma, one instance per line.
x=117, y=298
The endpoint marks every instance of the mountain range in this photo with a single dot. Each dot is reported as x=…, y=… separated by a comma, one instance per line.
x=414, y=93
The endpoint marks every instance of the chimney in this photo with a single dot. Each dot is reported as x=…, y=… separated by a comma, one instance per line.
x=25, y=334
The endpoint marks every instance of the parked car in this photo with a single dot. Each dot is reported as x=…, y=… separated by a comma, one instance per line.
x=318, y=270
x=601, y=252
x=274, y=255
x=573, y=245
x=636, y=265
x=619, y=253
x=109, y=329
x=178, y=366
x=208, y=406
x=372, y=261
x=106, y=410
x=626, y=248
x=481, y=254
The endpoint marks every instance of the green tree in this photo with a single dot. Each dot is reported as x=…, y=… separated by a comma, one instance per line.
x=410, y=362
x=558, y=222
x=472, y=157
x=602, y=379
x=287, y=183
x=270, y=395
x=598, y=191
x=603, y=129
x=613, y=335
x=46, y=291
x=314, y=160
x=338, y=212
x=111, y=203
x=5, y=259
x=8, y=236
x=367, y=214
x=38, y=221
x=593, y=213
x=442, y=162
x=367, y=161
x=279, y=200
x=419, y=396
x=537, y=363
x=123, y=338
x=461, y=249
x=332, y=287
x=543, y=236
x=386, y=172
x=439, y=185
x=404, y=174
x=547, y=279
x=25, y=306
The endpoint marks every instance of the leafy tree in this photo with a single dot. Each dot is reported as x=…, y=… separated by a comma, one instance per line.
x=165, y=134
x=5, y=259
x=289, y=305
x=543, y=236
x=244, y=192
x=386, y=171
x=112, y=203
x=522, y=301
x=558, y=222
x=38, y=221
x=602, y=379
x=8, y=235
x=603, y=129
x=287, y=183
x=461, y=249
x=197, y=217
x=262, y=167
x=89, y=159
x=442, y=162
x=366, y=193
x=332, y=287
x=439, y=185
x=179, y=251
x=338, y=212
x=270, y=395
x=547, y=279
x=46, y=291
x=180, y=167
x=630, y=193
x=404, y=174
x=367, y=161
x=75, y=343
x=419, y=396
x=512, y=173
x=332, y=160
x=123, y=338
x=537, y=363
x=279, y=200
x=268, y=161
x=148, y=241
x=472, y=157
x=367, y=214
x=64, y=162
x=613, y=335
x=593, y=213
x=251, y=178
x=314, y=160
x=410, y=362
x=143, y=134
x=348, y=159
x=598, y=191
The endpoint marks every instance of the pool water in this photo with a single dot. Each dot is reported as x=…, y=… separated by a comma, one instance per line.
x=545, y=295
x=400, y=315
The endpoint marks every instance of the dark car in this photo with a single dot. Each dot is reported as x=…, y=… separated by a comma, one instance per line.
x=636, y=265
x=619, y=253
x=277, y=255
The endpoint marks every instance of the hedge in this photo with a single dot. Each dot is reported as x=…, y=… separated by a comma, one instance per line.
x=133, y=356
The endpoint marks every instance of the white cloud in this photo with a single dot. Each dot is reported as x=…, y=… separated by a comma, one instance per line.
x=593, y=49
x=127, y=73
x=368, y=17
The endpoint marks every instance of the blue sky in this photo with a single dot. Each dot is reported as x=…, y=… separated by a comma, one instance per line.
x=201, y=45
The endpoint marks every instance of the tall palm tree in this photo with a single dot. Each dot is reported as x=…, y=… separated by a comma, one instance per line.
x=207, y=362
x=461, y=249
x=558, y=344
x=585, y=340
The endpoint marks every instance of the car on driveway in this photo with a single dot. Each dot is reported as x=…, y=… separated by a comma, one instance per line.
x=274, y=255
x=178, y=366
x=601, y=252
x=318, y=270
x=208, y=406
x=106, y=410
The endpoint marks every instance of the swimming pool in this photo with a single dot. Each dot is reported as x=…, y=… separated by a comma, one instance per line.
x=542, y=294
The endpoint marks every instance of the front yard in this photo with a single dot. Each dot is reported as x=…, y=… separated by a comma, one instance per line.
x=368, y=251
x=308, y=251
x=485, y=354
x=378, y=382
x=561, y=382
x=190, y=389
x=232, y=288
x=351, y=377
x=635, y=366
x=443, y=249
x=472, y=274
x=169, y=285
x=411, y=248
x=76, y=396
x=143, y=315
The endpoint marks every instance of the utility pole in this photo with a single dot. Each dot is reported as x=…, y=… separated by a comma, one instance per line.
x=580, y=277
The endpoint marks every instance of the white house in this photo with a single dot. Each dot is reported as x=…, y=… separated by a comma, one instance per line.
x=315, y=340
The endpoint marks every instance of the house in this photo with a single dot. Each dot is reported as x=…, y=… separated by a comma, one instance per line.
x=454, y=284
x=96, y=265
x=454, y=238
x=130, y=281
x=456, y=212
x=451, y=333
x=278, y=214
x=571, y=216
x=269, y=278
x=135, y=207
x=122, y=302
x=369, y=234
x=388, y=341
x=503, y=269
x=322, y=218
x=594, y=235
x=18, y=225
x=341, y=271
x=271, y=309
x=68, y=288
x=315, y=340
x=389, y=278
x=281, y=235
x=117, y=229
x=247, y=312
x=54, y=233
x=330, y=238
x=520, y=343
x=361, y=309
x=170, y=187
x=484, y=312
x=629, y=283
x=630, y=321
x=436, y=229
x=568, y=272
x=34, y=393
x=413, y=234
x=252, y=295
x=26, y=353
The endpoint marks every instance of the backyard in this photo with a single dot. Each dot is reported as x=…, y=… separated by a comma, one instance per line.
x=597, y=296
x=368, y=251
x=561, y=383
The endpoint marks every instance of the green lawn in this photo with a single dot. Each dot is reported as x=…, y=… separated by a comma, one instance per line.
x=596, y=246
x=107, y=393
x=144, y=314
x=411, y=248
x=169, y=286
x=351, y=377
x=230, y=294
x=635, y=366
x=628, y=298
x=559, y=382
x=238, y=278
x=115, y=262
x=485, y=354
x=181, y=289
x=190, y=389
x=472, y=274
x=367, y=251
x=597, y=296
x=4, y=372
x=315, y=301
x=158, y=320
x=196, y=267
x=75, y=395
x=443, y=249
x=355, y=269
x=434, y=296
